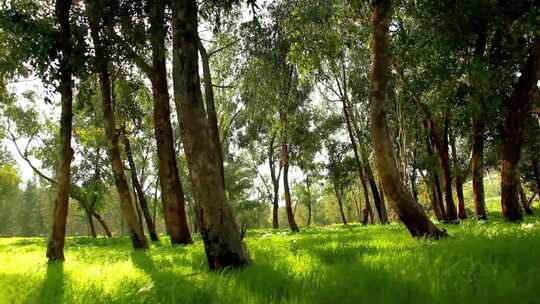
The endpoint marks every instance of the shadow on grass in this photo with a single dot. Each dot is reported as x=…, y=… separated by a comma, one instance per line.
x=52, y=289
x=169, y=286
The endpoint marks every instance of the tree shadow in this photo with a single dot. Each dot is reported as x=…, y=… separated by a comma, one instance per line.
x=168, y=286
x=52, y=289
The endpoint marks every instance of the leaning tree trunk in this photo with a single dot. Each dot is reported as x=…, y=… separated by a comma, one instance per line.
x=513, y=132
x=219, y=231
x=102, y=223
x=101, y=63
x=172, y=193
x=55, y=245
x=339, y=197
x=211, y=105
x=524, y=200
x=376, y=195
x=91, y=225
x=140, y=193
x=362, y=171
x=407, y=209
x=288, y=201
x=383, y=202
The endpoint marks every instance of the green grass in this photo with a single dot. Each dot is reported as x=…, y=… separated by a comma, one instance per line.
x=482, y=263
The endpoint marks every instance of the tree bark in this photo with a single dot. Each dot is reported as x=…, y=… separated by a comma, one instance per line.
x=477, y=163
x=91, y=225
x=441, y=146
x=211, y=105
x=438, y=204
x=524, y=200
x=172, y=193
x=101, y=65
x=55, y=245
x=383, y=202
x=288, y=201
x=339, y=197
x=375, y=192
x=479, y=130
x=140, y=193
x=408, y=210
x=103, y=224
x=513, y=132
x=362, y=167
x=219, y=231
x=308, y=200
x=275, y=182
x=458, y=179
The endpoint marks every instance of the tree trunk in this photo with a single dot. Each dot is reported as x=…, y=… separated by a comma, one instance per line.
x=524, y=200
x=172, y=193
x=477, y=163
x=103, y=224
x=357, y=206
x=339, y=197
x=288, y=201
x=368, y=208
x=408, y=210
x=211, y=105
x=376, y=196
x=275, y=183
x=435, y=203
x=101, y=64
x=458, y=179
x=91, y=225
x=219, y=231
x=308, y=200
x=479, y=130
x=438, y=206
x=513, y=133
x=362, y=171
x=55, y=245
x=140, y=194
x=433, y=194
x=441, y=146
x=462, y=213
x=383, y=202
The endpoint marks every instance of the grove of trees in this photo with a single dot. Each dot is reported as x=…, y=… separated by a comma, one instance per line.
x=183, y=117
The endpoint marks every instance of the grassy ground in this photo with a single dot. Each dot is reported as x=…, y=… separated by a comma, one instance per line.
x=493, y=262
x=481, y=263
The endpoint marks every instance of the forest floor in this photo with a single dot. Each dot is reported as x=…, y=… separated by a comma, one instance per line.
x=491, y=262
x=494, y=262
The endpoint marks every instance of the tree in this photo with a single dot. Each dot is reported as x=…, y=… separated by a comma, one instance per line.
x=95, y=15
x=223, y=244
x=519, y=103
x=408, y=210
x=55, y=245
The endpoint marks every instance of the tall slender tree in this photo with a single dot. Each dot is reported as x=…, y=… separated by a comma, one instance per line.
x=94, y=9
x=55, y=245
x=221, y=236
x=407, y=209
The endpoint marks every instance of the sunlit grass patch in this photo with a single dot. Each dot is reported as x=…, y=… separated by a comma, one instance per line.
x=493, y=262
